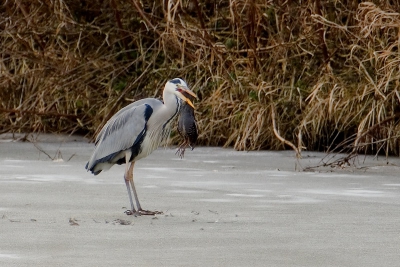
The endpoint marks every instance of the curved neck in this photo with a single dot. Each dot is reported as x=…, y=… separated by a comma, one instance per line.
x=165, y=113
x=171, y=105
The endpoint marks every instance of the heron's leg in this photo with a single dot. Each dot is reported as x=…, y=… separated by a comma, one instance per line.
x=126, y=178
x=130, y=177
x=132, y=210
x=140, y=211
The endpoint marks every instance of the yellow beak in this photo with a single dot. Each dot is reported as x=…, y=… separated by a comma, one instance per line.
x=182, y=91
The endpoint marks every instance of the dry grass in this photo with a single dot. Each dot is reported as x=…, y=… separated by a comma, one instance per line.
x=328, y=69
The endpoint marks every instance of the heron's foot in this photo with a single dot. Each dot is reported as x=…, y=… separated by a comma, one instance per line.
x=142, y=212
x=130, y=212
x=147, y=212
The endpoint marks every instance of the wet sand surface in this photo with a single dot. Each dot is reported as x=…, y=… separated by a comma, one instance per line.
x=220, y=208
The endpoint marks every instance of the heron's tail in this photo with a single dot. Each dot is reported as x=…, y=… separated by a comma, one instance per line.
x=92, y=169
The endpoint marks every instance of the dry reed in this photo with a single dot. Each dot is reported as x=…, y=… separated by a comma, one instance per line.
x=328, y=69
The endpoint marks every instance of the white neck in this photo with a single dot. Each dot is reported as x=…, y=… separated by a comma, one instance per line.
x=171, y=106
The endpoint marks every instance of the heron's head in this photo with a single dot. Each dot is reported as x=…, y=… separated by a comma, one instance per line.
x=179, y=88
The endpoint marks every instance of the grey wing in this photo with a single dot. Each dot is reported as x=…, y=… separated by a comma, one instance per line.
x=150, y=101
x=123, y=131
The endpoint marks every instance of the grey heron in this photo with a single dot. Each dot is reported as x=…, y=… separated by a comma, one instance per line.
x=187, y=127
x=136, y=131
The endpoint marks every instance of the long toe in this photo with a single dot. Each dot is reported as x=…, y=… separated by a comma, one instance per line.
x=148, y=212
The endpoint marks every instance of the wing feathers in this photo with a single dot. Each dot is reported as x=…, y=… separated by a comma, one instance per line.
x=123, y=131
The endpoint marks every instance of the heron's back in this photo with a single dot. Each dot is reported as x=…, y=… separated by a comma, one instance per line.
x=125, y=131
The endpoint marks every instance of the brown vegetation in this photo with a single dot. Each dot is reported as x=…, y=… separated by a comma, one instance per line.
x=327, y=72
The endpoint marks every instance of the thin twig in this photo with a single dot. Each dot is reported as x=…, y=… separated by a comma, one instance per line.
x=276, y=132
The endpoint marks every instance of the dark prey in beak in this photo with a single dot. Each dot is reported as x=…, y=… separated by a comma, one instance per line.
x=187, y=127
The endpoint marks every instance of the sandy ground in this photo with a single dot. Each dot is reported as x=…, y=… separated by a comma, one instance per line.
x=221, y=208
